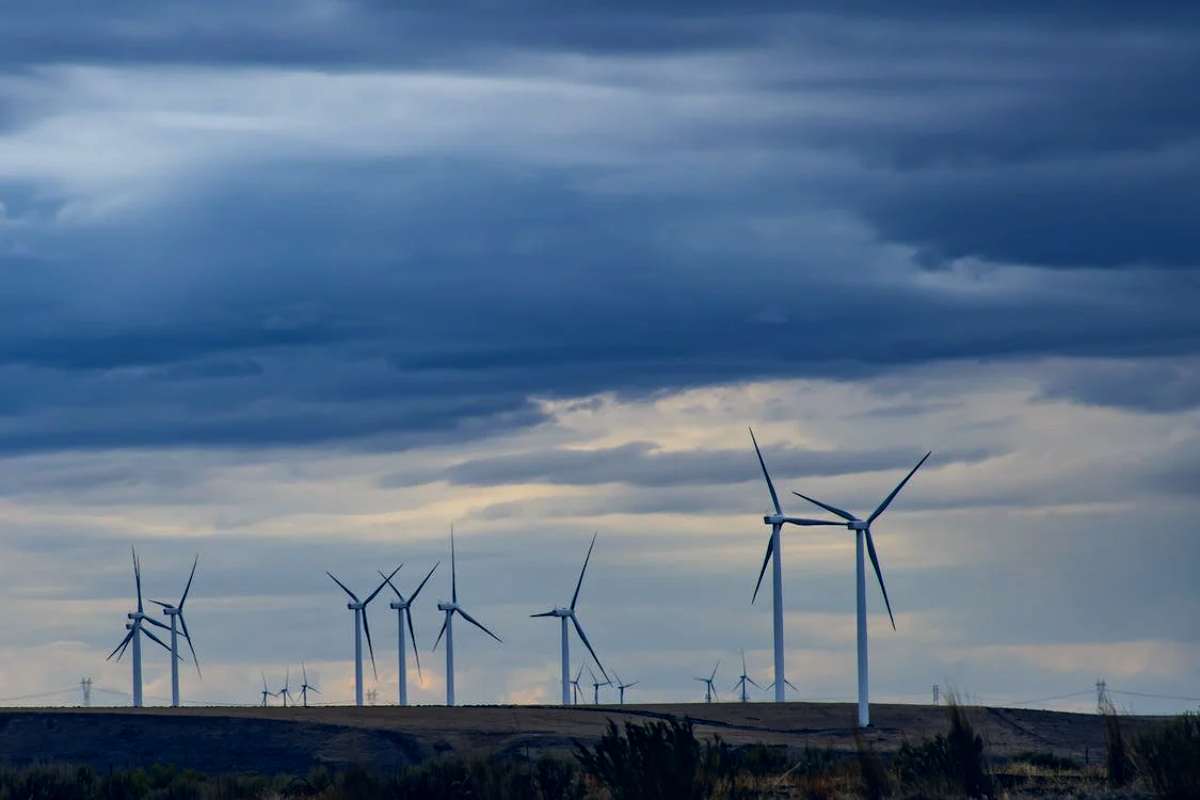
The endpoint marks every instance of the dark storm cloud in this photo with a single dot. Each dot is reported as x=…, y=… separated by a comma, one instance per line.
x=1149, y=386
x=301, y=295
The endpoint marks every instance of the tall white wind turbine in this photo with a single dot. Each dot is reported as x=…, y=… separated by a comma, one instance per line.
x=710, y=689
x=596, y=684
x=450, y=610
x=285, y=693
x=575, y=690
x=565, y=614
x=175, y=612
x=306, y=687
x=745, y=679
x=622, y=686
x=862, y=531
x=265, y=691
x=359, y=607
x=134, y=628
x=403, y=609
x=776, y=521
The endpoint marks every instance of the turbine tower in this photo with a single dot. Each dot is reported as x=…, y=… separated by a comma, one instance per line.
x=596, y=684
x=451, y=609
x=359, y=607
x=265, y=691
x=565, y=614
x=135, y=627
x=175, y=612
x=862, y=535
x=776, y=521
x=306, y=687
x=745, y=679
x=622, y=686
x=404, y=609
x=710, y=690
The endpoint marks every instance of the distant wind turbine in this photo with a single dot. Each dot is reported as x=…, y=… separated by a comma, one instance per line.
x=404, y=610
x=359, y=607
x=776, y=521
x=135, y=627
x=265, y=691
x=745, y=679
x=175, y=612
x=622, y=686
x=450, y=610
x=786, y=683
x=564, y=614
x=306, y=687
x=575, y=690
x=596, y=684
x=862, y=531
x=284, y=693
x=710, y=689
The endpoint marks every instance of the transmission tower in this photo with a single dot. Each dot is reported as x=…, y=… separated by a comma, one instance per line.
x=85, y=686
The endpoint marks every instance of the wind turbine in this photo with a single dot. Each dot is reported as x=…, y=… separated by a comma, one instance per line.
x=306, y=687
x=575, y=690
x=710, y=690
x=404, y=609
x=745, y=679
x=568, y=613
x=359, y=607
x=451, y=609
x=862, y=534
x=786, y=683
x=175, y=612
x=596, y=684
x=135, y=627
x=776, y=521
x=622, y=686
x=287, y=682
x=265, y=691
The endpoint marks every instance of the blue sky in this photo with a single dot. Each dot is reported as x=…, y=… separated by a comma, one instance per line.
x=296, y=287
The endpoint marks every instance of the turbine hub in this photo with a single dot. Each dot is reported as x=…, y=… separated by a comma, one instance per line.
x=398, y=605
x=858, y=525
x=773, y=519
x=444, y=606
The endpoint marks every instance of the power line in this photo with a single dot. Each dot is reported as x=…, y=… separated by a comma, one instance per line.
x=38, y=694
x=1157, y=696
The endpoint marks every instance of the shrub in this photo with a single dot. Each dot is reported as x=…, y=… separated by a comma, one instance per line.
x=655, y=761
x=955, y=759
x=1118, y=767
x=1044, y=760
x=875, y=783
x=1168, y=756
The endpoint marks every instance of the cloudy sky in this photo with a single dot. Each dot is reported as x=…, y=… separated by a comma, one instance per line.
x=297, y=286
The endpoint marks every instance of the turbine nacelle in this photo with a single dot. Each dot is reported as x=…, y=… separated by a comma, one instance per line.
x=136, y=615
x=399, y=605
x=444, y=606
x=774, y=519
x=858, y=525
x=356, y=606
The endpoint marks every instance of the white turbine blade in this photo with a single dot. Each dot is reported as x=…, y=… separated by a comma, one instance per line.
x=387, y=579
x=156, y=623
x=161, y=603
x=809, y=522
x=370, y=647
x=188, y=637
x=479, y=625
x=763, y=571
x=137, y=576
x=388, y=582
x=188, y=588
x=441, y=633
x=453, y=570
x=767, y=475
x=579, y=584
x=345, y=588
x=412, y=634
x=543, y=614
x=714, y=672
x=156, y=639
x=786, y=682
x=879, y=575
x=887, y=501
x=417, y=591
x=846, y=515
x=752, y=683
x=121, y=646
x=588, y=645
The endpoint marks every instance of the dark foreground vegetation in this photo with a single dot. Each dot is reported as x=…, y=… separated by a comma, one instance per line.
x=665, y=761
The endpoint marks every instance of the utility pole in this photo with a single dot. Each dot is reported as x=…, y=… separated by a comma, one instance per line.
x=85, y=685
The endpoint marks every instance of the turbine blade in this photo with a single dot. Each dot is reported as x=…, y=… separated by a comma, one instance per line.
x=379, y=588
x=157, y=624
x=763, y=571
x=767, y=475
x=417, y=591
x=743, y=652
x=137, y=577
x=412, y=635
x=543, y=614
x=314, y=690
x=370, y=647
x=186, y=635
x=588, y=645
x=846, y=515
x=264, y=677
x=752, y=683
x=388, y=581
x=714, y=672
x=345, y=589
x=453, y=570
x=121, y=646
x=809, y=522
x=579, y=584
x=161, y=603
x=188, y=588
x=786, y=682
x=887, y=501
x=474, y=622
x=879, y=575
x=437, y=641
x=304, y=672
x=156, y=639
